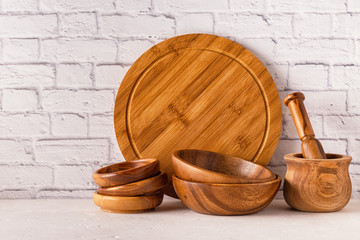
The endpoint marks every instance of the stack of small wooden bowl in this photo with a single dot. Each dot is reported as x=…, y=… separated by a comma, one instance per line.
x=130, y=187
x=212, y=183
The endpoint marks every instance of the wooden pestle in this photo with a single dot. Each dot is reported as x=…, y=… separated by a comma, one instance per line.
x=310, y=147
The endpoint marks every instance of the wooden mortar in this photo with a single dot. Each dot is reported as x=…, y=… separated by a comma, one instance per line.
x=317, y=185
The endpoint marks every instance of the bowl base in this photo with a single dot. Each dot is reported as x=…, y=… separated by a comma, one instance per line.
x=127, y=211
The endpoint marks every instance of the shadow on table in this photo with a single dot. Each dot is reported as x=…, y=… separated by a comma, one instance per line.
x=171, y=205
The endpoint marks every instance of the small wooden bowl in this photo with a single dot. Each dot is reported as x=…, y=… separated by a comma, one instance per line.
x=226, y=199
x=211, y=167
x=147, y=186
x=116, y=204
x=126, y=172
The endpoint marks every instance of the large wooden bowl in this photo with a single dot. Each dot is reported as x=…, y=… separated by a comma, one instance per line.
x=205, y=166
x=147, y=186
x=118, y=204
x=126, y=172
x=226, y=199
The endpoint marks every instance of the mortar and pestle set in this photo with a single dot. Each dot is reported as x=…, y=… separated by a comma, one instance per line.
x=200, y=104
x=315, y=181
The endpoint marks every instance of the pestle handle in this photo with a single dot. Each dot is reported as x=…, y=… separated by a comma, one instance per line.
x=310, y=146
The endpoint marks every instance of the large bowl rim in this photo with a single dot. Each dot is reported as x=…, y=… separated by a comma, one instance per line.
x=277, y=179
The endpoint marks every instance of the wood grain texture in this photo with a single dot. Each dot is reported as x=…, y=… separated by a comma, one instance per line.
x=205, y=166
x=116, y=204
x=126, y=172
x=197, y=91
x=226, y=199
x=315, y=185
x=147, y=186
x=310, y=146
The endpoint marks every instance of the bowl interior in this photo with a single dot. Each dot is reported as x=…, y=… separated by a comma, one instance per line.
x=223, y=164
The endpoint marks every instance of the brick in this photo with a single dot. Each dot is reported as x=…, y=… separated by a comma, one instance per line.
x=79, y=50
x=355, y=193
x=24, y=125
x=73, y=176
x=65, y=5
x=262, y=48
x=308, y=77
x=19, y=100
x=285, y=147
x=20, y=49
x=248, y=5
x=326, y=102
x=74, y=75
x=102, y=125
x=78, y=24
x=315, y=50
x=342, y=126
x=69, y=125
x=174, y=5
x=16, y=151
x=308, y=6
x=289, y=130
x=312, y=25
x=354, y=151
x=355, y=180
x=69, y=194
x=19, y=5
x=354, y=100
x=115, y=153
x=347, y=25
x=279, y=74
x=353, y=5
x=357, y=53
x=19, y=177
x=26, y=75
x=354, y=167
x=134, y=5
x=78, y=100
x=322, y=102
x=129, y=51
x=345, y=77
x=194, y=23
x=247, y=25
x=16, y=194
x=110, y=75
x=28, y=25
x=72, y=151
x=334, y=145
x=142, y=25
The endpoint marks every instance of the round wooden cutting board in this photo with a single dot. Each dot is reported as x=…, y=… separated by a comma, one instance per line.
x=197, y=91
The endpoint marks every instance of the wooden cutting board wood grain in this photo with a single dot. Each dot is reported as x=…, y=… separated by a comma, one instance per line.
x=197, y=91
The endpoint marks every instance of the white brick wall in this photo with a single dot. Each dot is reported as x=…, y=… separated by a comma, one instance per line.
x=62, y=61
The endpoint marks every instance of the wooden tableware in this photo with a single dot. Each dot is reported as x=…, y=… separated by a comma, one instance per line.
x=317, y=185
x=147, y=186
x=310, y=147
x=197, y=91
x=116, y=204
x=226, y=199
x=205, y=166
x=126, y=172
